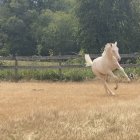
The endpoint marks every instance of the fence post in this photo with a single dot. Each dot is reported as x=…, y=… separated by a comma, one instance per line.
x=60, y=67
x=16, y=69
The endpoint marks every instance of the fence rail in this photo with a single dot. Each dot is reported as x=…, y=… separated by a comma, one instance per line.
x=56, y=59
x=61, y=57
x=41, y=58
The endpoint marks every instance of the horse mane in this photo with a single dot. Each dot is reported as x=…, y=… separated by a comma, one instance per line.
x=105, y=48
x=103, y=54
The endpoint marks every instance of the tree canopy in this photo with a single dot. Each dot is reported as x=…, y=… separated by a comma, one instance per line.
x=51, y=27
x=108, y=21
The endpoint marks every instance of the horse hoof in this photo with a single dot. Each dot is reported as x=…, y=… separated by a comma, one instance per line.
x=112, y=93
x=115, y=88
x=128, y=80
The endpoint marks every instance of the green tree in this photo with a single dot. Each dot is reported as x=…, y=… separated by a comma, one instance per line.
x=60, y=34
x=107, y=21
x=15, y=24
x=37, y=26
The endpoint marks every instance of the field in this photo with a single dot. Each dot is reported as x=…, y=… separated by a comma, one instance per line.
x=69, y=111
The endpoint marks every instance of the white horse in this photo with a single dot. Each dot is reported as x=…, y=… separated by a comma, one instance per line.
x=104, y=65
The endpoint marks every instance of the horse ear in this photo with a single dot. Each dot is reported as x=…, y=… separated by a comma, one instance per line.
x=116, y=43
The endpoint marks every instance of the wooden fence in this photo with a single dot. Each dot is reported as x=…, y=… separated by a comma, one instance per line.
x=56, y=59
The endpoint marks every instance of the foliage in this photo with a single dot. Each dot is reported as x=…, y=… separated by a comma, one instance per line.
x=37, y=26
x=50, y=75
x=59, y=35
x=51, y=27
x=108, y=21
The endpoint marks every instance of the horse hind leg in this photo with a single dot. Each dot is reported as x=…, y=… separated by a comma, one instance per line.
x=116, y=79
x=104, y=78
x=116, y=86
x=109, y=90
x=106, y=89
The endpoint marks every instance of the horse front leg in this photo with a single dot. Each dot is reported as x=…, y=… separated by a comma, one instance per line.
x=122, y=70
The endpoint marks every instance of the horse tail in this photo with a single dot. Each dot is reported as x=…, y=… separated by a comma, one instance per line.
x=88, y=60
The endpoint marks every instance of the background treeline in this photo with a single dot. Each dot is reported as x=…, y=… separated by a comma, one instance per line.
x=51, y=27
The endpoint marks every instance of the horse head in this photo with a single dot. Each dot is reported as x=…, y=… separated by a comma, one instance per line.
x=113, y=50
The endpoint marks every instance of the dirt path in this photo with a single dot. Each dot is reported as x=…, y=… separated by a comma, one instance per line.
x=18, y=100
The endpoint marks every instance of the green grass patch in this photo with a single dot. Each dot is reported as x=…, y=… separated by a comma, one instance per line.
x=51, y=75
x=69, y=74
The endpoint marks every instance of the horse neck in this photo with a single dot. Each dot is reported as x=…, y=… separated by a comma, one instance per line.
x=108, y=55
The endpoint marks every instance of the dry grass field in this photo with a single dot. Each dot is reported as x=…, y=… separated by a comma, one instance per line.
x=68, y=111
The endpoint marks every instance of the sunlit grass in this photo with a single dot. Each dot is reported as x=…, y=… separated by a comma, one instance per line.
x=109, y=122
x=68, y=111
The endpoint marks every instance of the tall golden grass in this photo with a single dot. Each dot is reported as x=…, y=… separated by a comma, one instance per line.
x=68, y=111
